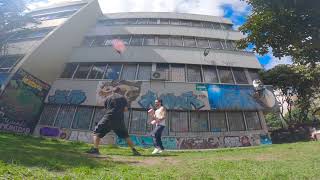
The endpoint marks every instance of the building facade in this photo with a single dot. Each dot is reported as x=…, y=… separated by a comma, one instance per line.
x=189, y=61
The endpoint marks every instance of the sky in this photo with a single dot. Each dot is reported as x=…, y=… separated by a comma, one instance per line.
x=235, y=10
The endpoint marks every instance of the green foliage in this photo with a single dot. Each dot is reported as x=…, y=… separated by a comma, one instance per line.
x=24, y=157
x=273, y=120
x=295, y=80
x=290, y=28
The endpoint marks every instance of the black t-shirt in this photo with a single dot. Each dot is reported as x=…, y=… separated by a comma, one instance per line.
x=115, y=105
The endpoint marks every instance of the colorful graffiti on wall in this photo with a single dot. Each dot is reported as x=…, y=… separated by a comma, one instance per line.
x=131, y=90
x=186, y=101
x=21, y=103
x=55, y=132
x=234, y=97
x=75, y=97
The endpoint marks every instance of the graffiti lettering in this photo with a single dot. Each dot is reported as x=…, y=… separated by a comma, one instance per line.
x=197, y=143
x=232, y=141
x=186, y=101
x=265, y=139
x=14, y=128
x=143, y=141
x=55, y=132
x=76, y=97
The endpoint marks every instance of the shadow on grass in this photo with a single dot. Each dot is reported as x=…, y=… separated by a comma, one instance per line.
x=40, y=152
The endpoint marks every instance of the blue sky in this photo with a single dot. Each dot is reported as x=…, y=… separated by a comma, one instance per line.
x=235, y=10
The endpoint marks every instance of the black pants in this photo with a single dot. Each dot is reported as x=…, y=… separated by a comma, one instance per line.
x=156, y=135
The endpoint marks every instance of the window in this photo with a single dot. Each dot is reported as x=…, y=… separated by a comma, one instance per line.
x=216, y=26
x=163, y=41
x=230, y=45
x=31, y=34
x=225, y=75
x=129, y=72
x=108, y=22
x=178, y=72
x=240, y=76
x=113, y=71
x=164, y=21
x=174, y=22
x=153, y=21
x=186, y=23
x=8, y=62
x=199, y=121
x=164, y=68
x=149, y=41
x=194, y=73
x=215, y=44
x=65, y=116
x=125, y=39
x=97, y=71
x=203, y=43
x=218, y=121
x=99, y=41
x=253, y=74
x=49, y=114
x=176, y=41
x=226, y=26
x=142, y=21
x=82, y=72
x=144, y=72
x=196, y=24
x=139, y=121
x=108, y=40
x=236, y=122
x=82, y=118
x=132, y=21
x=207, y=24
x=69, y=70
x=98, y=114
x=179, y=121
x=87, y=41
x=189, y=42
x=253, y=121
x=210, y=74
x=136, y=41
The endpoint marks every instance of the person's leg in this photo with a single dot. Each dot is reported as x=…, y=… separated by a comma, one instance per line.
x=153, y=135
x=122, y=132
x=99, y=132
x=158, y=137
x=96, y=141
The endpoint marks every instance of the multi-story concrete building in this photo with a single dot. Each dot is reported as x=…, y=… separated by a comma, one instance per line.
x=189, y=61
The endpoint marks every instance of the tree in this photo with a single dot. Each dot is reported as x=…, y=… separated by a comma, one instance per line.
x=289, y=27
x=294, y=81
x=12, y=19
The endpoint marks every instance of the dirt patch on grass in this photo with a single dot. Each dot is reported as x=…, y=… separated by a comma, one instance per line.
x=145, y=161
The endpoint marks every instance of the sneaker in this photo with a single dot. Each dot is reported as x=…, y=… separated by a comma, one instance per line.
x=160, y=151
x=135, y=152
x=155, y=151
x=93, y=151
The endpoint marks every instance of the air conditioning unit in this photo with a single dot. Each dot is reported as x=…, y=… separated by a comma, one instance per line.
x=158, y=75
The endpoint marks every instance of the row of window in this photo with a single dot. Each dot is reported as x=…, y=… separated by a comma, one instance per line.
x=57, y=15
x=170, y=72
x=163, y=21
x=30, y=34
x=7, y=63
x=151, y=40
x=86, y=117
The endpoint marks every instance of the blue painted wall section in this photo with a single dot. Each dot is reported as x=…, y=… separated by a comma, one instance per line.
x=186, y=101
x=265, y=139
x=75, y=97
x=232, y=97
x=142, y=141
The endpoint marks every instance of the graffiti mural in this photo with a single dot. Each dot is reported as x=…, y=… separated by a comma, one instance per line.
x=186, y=101
x=198, y=143
x=55, y=132
x=143, y=141
x=265, y=139
x=232, y=141
x=245, y=141
x=131, y=90
x=233, y=97
x=75, y=97
x=21, y=103
x=169, y=142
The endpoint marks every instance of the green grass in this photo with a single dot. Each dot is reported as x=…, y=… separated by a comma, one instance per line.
x=25, y=157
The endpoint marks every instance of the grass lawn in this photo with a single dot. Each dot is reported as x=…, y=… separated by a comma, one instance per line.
x=25, y=157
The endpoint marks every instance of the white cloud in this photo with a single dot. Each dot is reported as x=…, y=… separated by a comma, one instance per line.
x=46, y=3
x=276, y=61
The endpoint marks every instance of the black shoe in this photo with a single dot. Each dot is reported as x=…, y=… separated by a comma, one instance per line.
x=93, y=151
x=135, y=152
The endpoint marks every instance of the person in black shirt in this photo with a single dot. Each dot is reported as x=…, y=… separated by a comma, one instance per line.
x=115, y=106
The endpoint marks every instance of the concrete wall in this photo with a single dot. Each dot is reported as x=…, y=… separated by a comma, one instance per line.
x=166, y=55
x=169, y=15
x=47, y=60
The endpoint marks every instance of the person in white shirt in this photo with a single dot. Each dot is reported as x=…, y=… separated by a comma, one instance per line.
x=159, y=119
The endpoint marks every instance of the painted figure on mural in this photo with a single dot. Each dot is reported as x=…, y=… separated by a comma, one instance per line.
x=158, y=118
x=130, y=90
x=113, y=119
